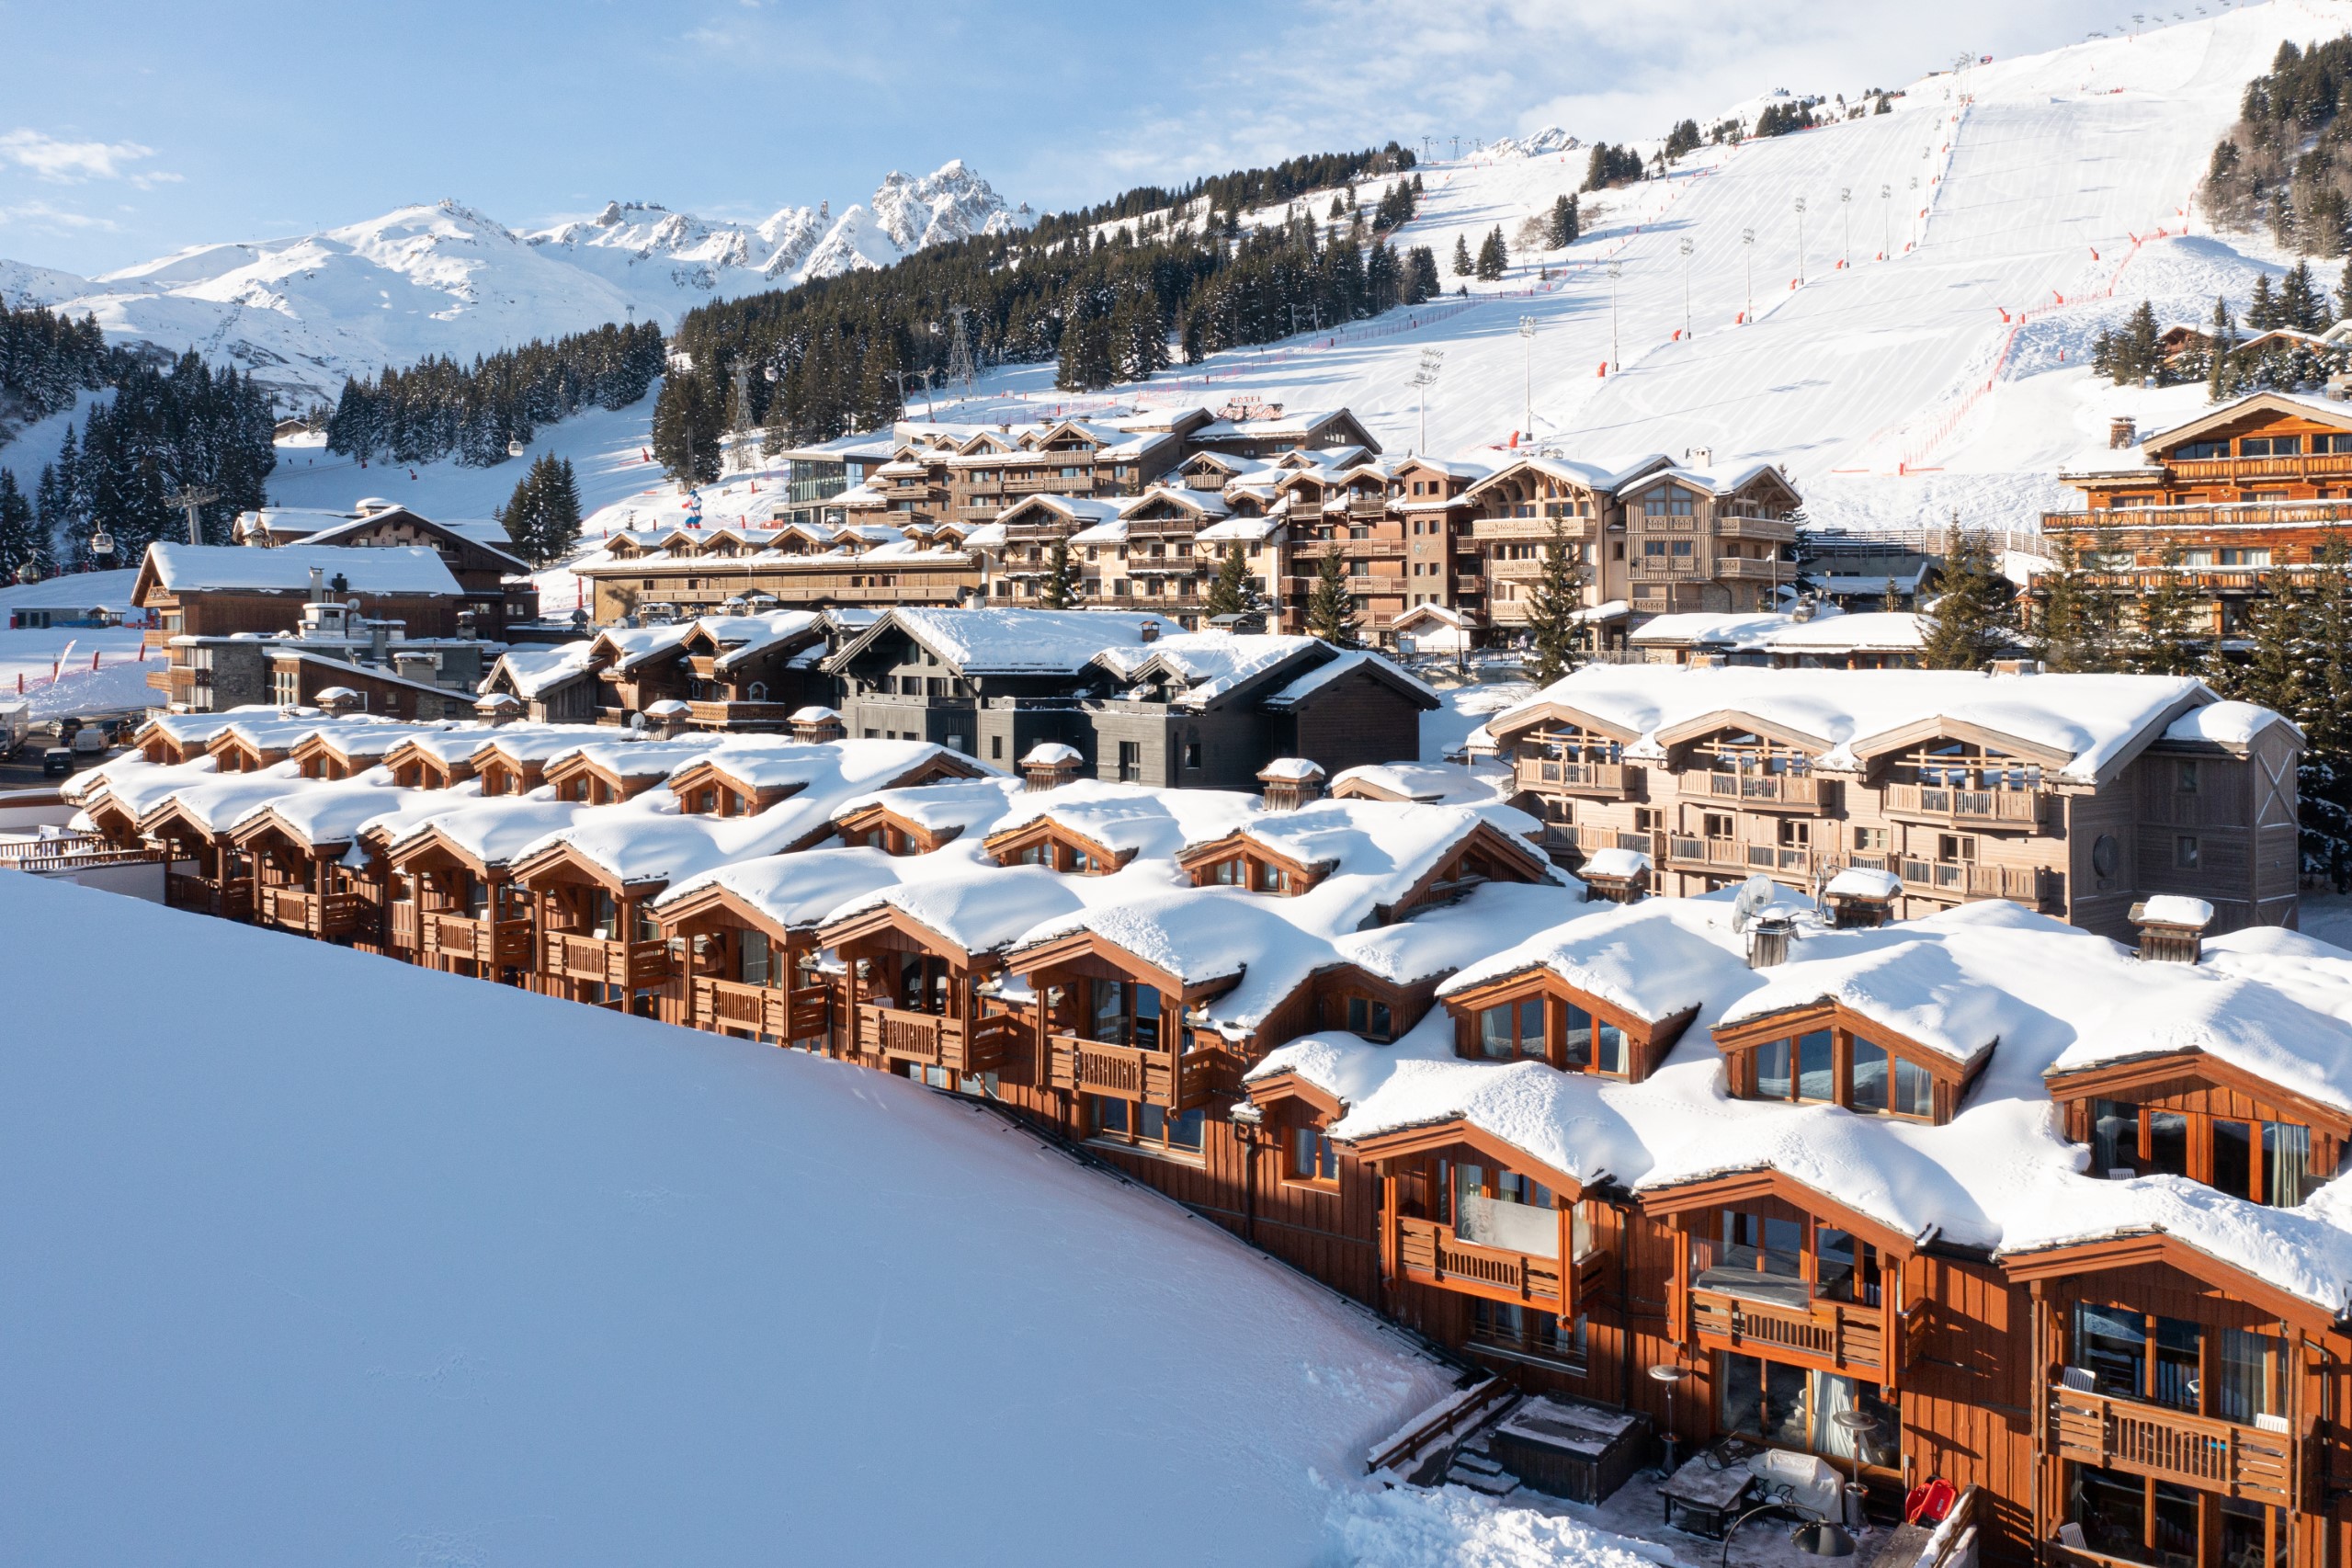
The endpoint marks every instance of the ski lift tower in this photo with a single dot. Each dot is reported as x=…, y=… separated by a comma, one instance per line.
x=961, y=373
x=191, y=499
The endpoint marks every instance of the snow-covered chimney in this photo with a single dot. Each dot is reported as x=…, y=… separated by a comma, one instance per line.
x=1861, y=898
x=318, y=584
x=498, y=708
x=1049, y=764
x=667, y=718
x=2122, y=431
x=1768, y=940
x=2172, y=928
x=334, y=701
x=1291, y=782
x=1615, y=876
x=1148, y=632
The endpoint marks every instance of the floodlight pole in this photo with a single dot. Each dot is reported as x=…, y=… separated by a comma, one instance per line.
x=1687, y=248
x=1616, y=270
x=1526, y=330
x=1800, y=242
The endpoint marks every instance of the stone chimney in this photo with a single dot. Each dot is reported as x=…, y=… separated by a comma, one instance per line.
x=815, y=724
x=1049, y=764
x=318, y=584
x=498, y=708
x=1859, y=899
x=1149, y=631
x=2172, y=928
x=666, y=718
x=1291, y=782
x=416, y=664
x=334, y=701
x=1615, y=876
x=1767, y=939
x=2122, y=432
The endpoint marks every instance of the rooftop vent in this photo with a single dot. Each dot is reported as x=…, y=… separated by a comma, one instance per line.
x=1767, y=939
x=816, y=723
x=1615, y=876
x=334, y=701
x=1149, y=631
x=1049, y=764
x=2122, y=432
x=1859, y=899
x=1291, y=782
x=2172, y=928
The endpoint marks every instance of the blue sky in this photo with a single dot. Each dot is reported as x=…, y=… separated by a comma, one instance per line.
x=129, y=130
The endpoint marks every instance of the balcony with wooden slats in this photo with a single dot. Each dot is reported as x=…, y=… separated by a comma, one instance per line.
x=311, y=914
x=229, y=900
x=633, y=966
x=443, y=935
x=1604, y=779
x=1431, y=1254
x=770, y=1010
x=1148, y=1075
x=1972, y=808
x=737, y=715
x=1835, y=1337
x=1799, y=790
x=2202, y=1452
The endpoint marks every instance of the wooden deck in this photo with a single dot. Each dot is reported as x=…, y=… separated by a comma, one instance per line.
x=2171, y=1445
x=633, y=966
x=1431, y=1254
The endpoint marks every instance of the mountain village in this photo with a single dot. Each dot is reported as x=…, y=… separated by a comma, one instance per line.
x=1713, y=1015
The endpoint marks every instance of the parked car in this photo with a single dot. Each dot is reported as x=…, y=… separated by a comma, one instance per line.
x=56, y=762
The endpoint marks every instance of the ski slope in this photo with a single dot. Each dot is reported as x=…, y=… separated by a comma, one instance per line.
x=316, y=1257
x=1917, y=367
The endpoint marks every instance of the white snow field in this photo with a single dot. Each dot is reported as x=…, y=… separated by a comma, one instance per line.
x=118, y=682
x=311, y=1257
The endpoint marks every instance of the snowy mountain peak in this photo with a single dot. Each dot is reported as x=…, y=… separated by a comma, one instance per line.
x=443, y=278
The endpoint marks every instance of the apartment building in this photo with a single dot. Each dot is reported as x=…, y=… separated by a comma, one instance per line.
x=2081, y=796
x=496, y=583
x=2257, y=486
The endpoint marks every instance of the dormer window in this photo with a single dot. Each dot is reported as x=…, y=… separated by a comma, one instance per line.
x=1864, y=1078
x=2265, y=1162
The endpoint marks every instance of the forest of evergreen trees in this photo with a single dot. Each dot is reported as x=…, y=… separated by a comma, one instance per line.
x=188, y=425
x=438, y=408
x=1239, y=191
x=2223, y=359
x=830, y=355
x=46, y=359
x=2287, y=164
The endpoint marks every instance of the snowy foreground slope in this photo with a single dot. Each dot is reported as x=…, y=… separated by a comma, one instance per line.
x=302, y=313
x=310, y=1256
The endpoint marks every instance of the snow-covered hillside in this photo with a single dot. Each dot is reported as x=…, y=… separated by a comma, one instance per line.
x=312, y=1256
x=302, y=313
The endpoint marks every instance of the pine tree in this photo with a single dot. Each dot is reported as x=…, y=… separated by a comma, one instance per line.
x=1553, y=606
x=2272, y=676
x=1331, y=612
x=1563, y=227
x=2164, y=642
x=2262, y=309
x=1061, y=589
x=1421, y=281
x=519, y=516
x=1233, y=591
x=2344, y=292
x=19, y=534
x=685, y=427
x=2224, y=334
x=1494, y=259
x=2324, y=781
x=558, y=528
x=1462, y=267
x=1972, y=620
x=2064, y=609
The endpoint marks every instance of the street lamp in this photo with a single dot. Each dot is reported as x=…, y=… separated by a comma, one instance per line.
x=1686, y=247
x=1747, y=252
x=1800, y=242
x=1526, y=330
x=1616, y=271
x=1432, y=360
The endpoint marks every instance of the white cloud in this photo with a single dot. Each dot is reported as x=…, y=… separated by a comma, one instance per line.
x=43, y=217
x=72, y=163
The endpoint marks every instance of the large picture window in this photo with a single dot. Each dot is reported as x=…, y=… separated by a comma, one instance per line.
x=1512, y=1029
x=1865, y=1076
x=1144, y=1126
x=2177, y=1363
x=2267, y=1162
x=1791, y=1407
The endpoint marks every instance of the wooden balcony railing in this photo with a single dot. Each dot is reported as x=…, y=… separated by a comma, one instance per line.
x=2310, y=463
x=731, y=715
x=402, y=924
x=1432, y=1254
x=230, y=901
x=800, y=1014
x=1733, y=855
x=1989, y=807
x=630, y=965
x=443, y=935
x=1749, y=789
x=2170, y=1445
x=1747, y=569
x=312, y=914
x=1969, y=879
x=935, y=1041
x=1837, y=1335
x=1594, y=777
x=1129, y=1072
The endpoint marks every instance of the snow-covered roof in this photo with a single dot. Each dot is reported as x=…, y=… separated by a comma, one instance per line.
x=1010, y=641
x=1205, y=665
x=2229, y=723
x=403, y=569
x=2097, y=722
x=535, y=669
x=1349, y=663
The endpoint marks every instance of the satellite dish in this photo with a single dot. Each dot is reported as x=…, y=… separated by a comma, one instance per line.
x=1755, y=895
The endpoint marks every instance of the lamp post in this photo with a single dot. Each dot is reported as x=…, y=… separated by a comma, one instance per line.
x=1747, y=252
x=1914, y=203
x=1686, y=247
x=1526, y=330
x=1432, y=360
x=1845, y=216
x=1616, y=271
x=1800, y=242
x=1886, y=226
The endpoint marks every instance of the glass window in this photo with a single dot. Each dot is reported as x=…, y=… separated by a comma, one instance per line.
x=2178, y=1346
x=1503, y=1208
x=1579, y=1037
x=1816, y=1067
x=2114, y=1136
x=2112, y=1346
x=2111, y=1509
x=756, y=967
x=1870, y=1067
x=2249, y=1376
x=2252, y=1535
x=1313, y=1157
x=2233, y=1156
x=1772, y=1079
x=1611, y=1054
x=2286, y=1164
x=1846, y=1268
x=2168, y=1142
x=1496, y=1037
x=1915, y=1089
